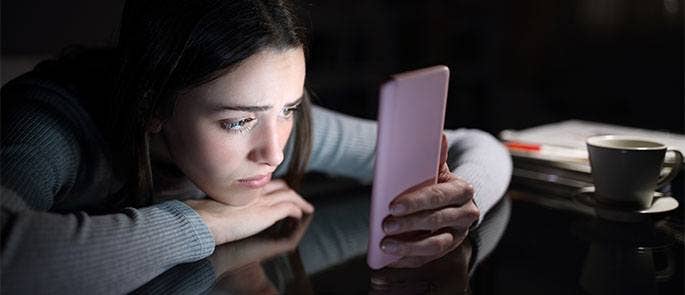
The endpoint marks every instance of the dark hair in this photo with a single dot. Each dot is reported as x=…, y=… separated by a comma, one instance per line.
x=167, y=47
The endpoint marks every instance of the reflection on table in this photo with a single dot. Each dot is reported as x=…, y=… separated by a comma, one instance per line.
x=326, y=253
x=519, y=248
x=546, y=251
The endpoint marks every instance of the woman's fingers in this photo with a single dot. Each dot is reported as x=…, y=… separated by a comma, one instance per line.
x=445, y=211
x=229, y=223
x=256, y=219
x=455, y=217
x=444, y=174
x=274, y=185
x=443, y=149
x=289, y=196
x=452, y=193
x=283, y=210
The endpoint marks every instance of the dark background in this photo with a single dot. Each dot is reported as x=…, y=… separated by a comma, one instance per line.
x=514, y=64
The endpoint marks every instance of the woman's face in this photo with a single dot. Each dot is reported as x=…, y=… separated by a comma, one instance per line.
x=228, y=136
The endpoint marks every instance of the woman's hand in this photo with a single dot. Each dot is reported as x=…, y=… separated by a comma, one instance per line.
x=427, y=223
x=230, y=223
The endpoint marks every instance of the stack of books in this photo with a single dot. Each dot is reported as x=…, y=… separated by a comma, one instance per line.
x=552, y=160
x=560, y=171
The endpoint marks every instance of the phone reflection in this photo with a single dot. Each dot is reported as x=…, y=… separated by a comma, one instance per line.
x=447, y=275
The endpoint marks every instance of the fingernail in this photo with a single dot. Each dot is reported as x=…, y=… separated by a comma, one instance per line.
x=391, y=227
x=397, y=209
x=390, y=246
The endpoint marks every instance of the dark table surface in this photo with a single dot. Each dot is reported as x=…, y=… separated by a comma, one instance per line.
x=519, y=248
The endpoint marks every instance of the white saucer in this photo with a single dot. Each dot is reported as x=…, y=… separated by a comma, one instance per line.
x=661, y=204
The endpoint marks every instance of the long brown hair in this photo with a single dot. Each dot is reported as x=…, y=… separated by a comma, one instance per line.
x=167, y=47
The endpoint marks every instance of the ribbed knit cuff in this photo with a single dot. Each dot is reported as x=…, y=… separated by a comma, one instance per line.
x=485, y=196
x=479, y=159
x=201, y=232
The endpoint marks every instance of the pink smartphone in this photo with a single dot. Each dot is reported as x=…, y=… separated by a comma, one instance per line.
x=411, y=117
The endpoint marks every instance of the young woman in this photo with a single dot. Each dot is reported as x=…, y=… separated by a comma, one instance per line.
x=119, y=163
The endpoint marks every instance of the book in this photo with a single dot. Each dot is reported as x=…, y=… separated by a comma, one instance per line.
x=566, y=140
x=553, y=161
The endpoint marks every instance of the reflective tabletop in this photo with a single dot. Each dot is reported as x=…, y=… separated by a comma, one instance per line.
x=518, y=248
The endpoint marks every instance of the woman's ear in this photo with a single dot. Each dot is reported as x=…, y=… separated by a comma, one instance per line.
x=154, y=125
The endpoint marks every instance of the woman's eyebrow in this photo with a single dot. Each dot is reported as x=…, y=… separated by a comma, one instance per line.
x=222, y=108
x=295, y=103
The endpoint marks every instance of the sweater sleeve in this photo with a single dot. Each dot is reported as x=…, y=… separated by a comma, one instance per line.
x=478, y=158
x=40, y=156
x=109, y=254
x=346, y=146
x=46, y=252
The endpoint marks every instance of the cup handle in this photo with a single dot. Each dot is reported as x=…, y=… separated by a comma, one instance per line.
x=674, y=170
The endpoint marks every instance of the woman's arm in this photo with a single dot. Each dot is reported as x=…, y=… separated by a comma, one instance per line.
x=342, y=145
x=49, y=253
x=46, y=252
x=479, y=159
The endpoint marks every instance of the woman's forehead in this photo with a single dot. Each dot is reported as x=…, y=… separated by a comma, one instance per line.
x=260, y=79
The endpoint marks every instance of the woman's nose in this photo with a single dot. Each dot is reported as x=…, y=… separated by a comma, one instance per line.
x=267, y=147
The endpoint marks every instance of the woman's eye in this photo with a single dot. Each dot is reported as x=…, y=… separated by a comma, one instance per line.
x=288, y=112
x=240, y=125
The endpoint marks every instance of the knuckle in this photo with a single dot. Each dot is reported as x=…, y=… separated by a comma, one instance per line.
x=473, y=211
x=469, y=190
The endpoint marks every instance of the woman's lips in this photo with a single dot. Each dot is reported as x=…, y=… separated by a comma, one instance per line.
x=256, y=181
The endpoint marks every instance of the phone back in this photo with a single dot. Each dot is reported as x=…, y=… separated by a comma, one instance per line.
x=411, y=117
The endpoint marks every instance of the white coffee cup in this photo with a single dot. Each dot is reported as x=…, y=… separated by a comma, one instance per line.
x=625, y=169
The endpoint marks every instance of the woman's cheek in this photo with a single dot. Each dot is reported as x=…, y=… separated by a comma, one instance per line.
x=220, y=154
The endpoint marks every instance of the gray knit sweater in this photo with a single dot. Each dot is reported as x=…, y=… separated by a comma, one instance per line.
x=56, y=168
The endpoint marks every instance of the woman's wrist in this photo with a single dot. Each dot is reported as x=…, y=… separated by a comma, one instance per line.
x=206, y=219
